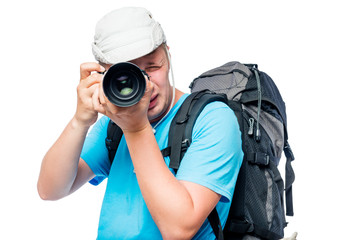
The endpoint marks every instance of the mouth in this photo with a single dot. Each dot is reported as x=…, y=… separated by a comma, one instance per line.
x=153, y=101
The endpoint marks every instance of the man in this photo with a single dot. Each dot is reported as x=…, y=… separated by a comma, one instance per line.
x=144, y=198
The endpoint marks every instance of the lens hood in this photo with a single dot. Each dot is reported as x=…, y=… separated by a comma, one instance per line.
x=124, y=84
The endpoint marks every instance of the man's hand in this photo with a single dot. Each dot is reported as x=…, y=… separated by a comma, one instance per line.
x=62, y=171
x=90, y=80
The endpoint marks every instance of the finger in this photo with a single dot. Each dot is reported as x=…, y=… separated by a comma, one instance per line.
x=149, y=87
x=102, y=94
x=87, y=68
x=91, y=80
x=96, y=102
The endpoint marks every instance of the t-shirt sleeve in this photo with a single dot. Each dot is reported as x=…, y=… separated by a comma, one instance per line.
x=94, y=151
x=215, y=155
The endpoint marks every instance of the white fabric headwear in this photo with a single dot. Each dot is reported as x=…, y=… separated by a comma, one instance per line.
x=126, y=34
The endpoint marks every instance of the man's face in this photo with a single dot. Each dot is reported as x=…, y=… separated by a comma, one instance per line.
x=156, y=66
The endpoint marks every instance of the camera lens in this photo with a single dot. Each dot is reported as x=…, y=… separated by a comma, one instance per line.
x=124, y=84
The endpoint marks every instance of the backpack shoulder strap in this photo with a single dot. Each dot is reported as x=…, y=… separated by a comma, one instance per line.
x=112, y=140
x=289, y=179
x=180, y=138
x=182, y=125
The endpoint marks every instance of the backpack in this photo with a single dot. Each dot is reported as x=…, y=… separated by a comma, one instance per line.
x=257, y=209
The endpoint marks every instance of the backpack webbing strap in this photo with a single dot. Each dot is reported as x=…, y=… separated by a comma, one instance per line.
x=289, y=179
x=215, y=223
x=112, y=140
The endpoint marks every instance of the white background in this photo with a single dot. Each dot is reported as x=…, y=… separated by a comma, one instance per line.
x=310, y=48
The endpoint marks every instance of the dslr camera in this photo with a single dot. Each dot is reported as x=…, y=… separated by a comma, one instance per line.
x=124, y=84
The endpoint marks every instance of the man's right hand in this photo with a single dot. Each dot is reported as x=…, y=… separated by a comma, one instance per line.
x=90, y=79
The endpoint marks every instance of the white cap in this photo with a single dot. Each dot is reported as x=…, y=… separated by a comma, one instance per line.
x=126, y=34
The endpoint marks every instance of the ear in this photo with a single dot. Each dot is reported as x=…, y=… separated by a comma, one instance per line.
x=168, y=49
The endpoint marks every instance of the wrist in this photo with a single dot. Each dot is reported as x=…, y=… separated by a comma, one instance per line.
x=75, y=123
x=139, y=130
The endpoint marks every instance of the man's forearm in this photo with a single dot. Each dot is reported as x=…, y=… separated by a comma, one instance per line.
x=167, y=199
x=60, y=164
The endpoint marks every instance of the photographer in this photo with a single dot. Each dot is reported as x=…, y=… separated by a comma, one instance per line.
x=144, y=198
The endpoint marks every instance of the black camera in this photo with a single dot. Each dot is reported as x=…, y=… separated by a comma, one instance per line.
x=124, y=84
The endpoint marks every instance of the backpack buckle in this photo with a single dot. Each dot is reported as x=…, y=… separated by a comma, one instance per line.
x=110, y=144
x=259, y=158
x=185, y=144
x=181, y=121
x=288, y=152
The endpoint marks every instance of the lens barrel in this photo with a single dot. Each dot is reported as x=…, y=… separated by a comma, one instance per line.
x=124, y=84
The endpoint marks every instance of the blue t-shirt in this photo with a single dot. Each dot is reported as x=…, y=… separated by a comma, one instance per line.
x=212, y=160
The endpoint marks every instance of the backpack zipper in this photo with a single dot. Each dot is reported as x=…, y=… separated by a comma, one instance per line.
x=251, y=126
x=258, y=133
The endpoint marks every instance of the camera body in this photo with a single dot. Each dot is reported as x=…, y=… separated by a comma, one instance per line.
x=124, y=84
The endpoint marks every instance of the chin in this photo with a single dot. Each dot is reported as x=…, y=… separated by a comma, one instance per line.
x=155, y=115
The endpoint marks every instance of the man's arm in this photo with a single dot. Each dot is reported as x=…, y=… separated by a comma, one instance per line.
x=179, y=208
x=62, y=171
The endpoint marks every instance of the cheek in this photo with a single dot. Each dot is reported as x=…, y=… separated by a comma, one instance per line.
x=160, y=80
